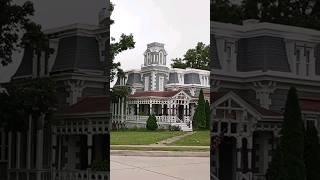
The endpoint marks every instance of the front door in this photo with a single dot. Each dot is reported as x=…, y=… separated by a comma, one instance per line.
x=180, y=112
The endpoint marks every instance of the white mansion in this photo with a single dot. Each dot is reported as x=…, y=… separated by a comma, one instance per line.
x=170, y=94
x=253, y=66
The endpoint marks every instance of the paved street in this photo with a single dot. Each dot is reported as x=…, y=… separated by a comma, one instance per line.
x=159, y=168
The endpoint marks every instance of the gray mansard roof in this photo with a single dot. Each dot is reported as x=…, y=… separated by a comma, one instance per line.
x=134, y=78
x=173, y=78
x=262, y=53
x=78, y=52
x=215, y=63
x=191, y=78
x=25, y=67
x=317, y=55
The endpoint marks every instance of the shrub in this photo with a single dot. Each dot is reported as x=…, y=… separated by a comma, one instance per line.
x=100, y=165
x=174, y=128
x=152, y=123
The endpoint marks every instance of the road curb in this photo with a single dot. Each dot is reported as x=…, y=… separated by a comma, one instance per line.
x=159, y=153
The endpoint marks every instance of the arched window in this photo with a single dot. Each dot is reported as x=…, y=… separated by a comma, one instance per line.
x=148, y=56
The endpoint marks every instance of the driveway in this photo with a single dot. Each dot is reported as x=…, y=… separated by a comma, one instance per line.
x=159, y=168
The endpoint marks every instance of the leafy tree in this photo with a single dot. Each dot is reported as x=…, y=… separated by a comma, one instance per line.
x=290, y=159
x=197, y=58
x=208, y=114
x=35, y=97
x=250, y=9
x=275, y=167
x=200, y=117
x=312, y=153
x=152, y=123
x=302, y=13
x=14, y=19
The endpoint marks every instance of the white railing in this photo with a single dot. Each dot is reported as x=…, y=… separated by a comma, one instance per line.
x=160, y=119
x=80, y=175
x=82, y=127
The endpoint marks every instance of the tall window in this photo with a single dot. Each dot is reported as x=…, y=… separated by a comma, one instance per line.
x=148, y=55
x=298, y=61
x=161, y=83
x=307, y=62
x=161, y=60
x=228, y=53
x=146, y=83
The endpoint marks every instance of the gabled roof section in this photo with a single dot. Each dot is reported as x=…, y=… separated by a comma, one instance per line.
x=88, y=105
x=251, y=107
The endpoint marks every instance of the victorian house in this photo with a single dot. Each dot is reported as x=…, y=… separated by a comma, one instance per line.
x=77, y=136
x=169, y=93
x=253, y=66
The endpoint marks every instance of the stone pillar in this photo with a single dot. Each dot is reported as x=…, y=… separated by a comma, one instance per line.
x=89, y=146
x=39, y=149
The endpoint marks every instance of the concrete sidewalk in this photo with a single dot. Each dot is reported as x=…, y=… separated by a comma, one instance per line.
x=159, y=168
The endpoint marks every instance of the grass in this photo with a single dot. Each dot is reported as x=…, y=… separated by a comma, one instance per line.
x=140, y=137
x=199, y=138
x=162, y=148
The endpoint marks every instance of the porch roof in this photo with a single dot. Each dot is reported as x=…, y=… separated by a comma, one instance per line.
x=310, y=104
x=88, y=105
x=154, y=94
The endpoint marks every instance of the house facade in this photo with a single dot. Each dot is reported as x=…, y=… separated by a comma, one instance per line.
x=169, y=93
x=253, y=67
x=69, y=143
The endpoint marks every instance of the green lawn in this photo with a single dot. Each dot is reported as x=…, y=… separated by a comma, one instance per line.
x=162, y=148
x=140, y=137
x=199, y=138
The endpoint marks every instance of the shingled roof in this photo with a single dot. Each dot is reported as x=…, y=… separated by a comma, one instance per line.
x=88, y=105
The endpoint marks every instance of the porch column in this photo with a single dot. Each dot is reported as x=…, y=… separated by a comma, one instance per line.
x=3, y=144
x=239, y=146
x=18, y=150
x=119, y=108
x=54, y=149
x=150, y=109
x=122, y=108
x=9, y=149
x=249, y=152
x=89, y=146
x=39, y=150
x=162, y=109
x=138, y=108
x=29, y=139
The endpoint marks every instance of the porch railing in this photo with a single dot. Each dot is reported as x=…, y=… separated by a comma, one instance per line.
x=80, y=175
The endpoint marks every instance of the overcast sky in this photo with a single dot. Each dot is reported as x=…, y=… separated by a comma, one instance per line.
x=179, y=24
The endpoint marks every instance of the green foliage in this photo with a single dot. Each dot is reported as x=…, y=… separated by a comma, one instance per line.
x=200, y=117
x=152, y=123
x=120, y=92
x=208, y=114
x=302, y=13
x=13, y=20
x=197, y=58
x=35, y=97
x=174, y=128
x=290, y=159
x=100, y=165
x=312, y=154
x=125, y=42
